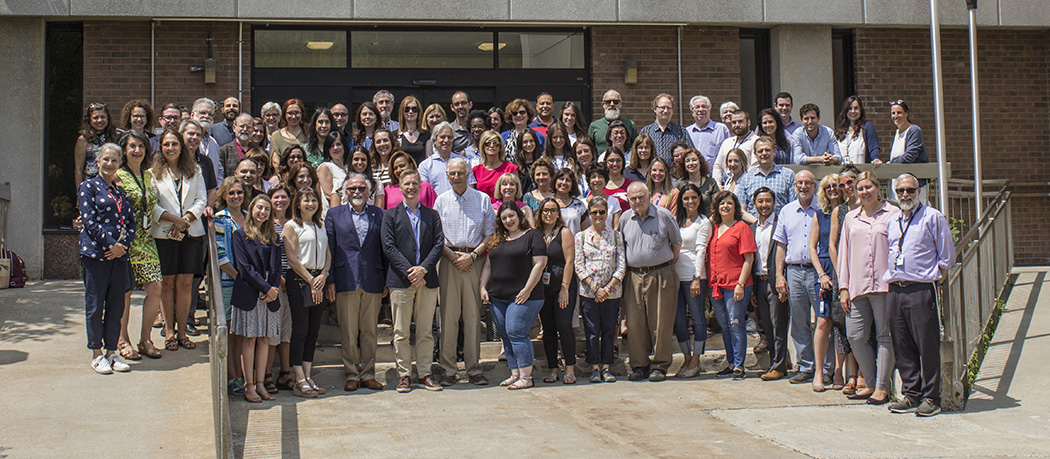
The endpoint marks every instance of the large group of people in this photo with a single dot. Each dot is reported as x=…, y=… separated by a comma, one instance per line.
x=635, y=233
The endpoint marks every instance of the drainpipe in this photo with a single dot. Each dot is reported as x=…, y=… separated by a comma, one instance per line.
x=152, y=63
x=240, y=62
x=681, y=102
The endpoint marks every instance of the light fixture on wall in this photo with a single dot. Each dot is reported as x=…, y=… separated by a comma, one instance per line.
x=631, y=74
x=487, y=46
x=319, y=45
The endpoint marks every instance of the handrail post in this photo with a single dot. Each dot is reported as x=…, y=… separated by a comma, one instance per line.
x=218, y=344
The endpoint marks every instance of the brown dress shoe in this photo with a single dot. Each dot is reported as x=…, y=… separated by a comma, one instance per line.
x=762, y=346
x=404, y=384
x=351, y=385
x=429, y=383
x=479, y=380
x=372, y=384
x=772, y=375
x=449, y=380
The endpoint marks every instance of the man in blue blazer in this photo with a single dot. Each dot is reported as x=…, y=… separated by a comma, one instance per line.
x=412, y=242
x=357, y=281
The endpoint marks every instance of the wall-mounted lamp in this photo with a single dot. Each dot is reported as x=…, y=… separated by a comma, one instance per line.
x=631, y=75
x=319, y=45
x=487, y=46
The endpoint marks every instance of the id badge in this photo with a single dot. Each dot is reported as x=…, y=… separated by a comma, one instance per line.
x=123, y=234
x=546, y=278
x=898, y=261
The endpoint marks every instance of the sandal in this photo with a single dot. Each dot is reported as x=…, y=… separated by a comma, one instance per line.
x=569, y=379
x=128, y=352
x=271, y=388
x=265, y=394
x=186, y=343
x=552, y=378
x=251, y=396
x=315, y=387
x=147, y=349
x=850, y=388
x=521, y=383
x=285, y=381
x=511, y=380
x=172, y=344
x=302, y=389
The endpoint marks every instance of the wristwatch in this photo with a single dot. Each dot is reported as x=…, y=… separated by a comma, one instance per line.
x=474, y=255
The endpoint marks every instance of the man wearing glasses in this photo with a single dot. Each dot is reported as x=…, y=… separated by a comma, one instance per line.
x=921, y=251
x=341, y=119
x=169, y=119
x=664, y=132
x=707, y=135
x=611, y=103
x=461, y=106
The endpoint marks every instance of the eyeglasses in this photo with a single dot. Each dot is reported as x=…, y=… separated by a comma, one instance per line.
x=848, y=184
x=356, y=188
x=411, y=109
x=548, y=210
x=598, y=212
x=338, y=115
x=611, y=102
x=909, y=190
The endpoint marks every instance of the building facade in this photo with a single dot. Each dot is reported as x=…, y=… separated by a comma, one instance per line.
x=62, y=55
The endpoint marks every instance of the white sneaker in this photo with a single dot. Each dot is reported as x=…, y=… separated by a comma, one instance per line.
x=101, y=365
x=118, y=363
x=751, y=327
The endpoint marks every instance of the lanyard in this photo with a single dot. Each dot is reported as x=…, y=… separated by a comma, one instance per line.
x=737, y=143
x=120, y=213
x=904, y=228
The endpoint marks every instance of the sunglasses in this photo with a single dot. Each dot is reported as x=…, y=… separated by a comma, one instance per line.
x=909, y=190
x=848, y=184
x=411, y=109
x=356, y=188
x=598, y=212
x=492, y=143
x=96, y=106
x=521, y=113
x=896, y=102
x=611, y=102
x=830, y=188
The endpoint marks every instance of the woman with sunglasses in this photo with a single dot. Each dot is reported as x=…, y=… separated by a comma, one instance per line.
x=829, y=198
x=850, y=200
x=412, y=136
x=559, y=303
x=493, y=165
x=518, y=115
x=856, y=135
x=600, y=263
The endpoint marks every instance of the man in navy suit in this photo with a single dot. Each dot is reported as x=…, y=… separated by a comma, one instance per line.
x=412, y=242
x=357, y=281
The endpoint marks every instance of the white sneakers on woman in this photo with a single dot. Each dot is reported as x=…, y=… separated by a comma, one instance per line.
x=107, y=365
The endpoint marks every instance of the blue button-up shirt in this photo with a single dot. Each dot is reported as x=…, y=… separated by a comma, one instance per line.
x=664, y=138
x=926, y=248
x=793, y=230
x=781, y=180
x=361, y=223
x=708, y=139
x=824, y=143
x=413, y=219
x=433, y=170
x=791, y=127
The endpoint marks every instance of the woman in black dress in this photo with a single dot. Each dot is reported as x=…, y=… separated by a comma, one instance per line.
x=560, y=291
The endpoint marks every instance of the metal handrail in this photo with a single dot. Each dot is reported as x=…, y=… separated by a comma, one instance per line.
x=218, y=344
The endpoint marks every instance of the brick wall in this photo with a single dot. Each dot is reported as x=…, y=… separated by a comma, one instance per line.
x=1015, y=96
x=116, y=62
x=710, y=66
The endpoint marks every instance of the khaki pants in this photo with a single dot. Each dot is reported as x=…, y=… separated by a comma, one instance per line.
x=358, y=313
x=651, y=303
x=408, y=304
x=460, y=297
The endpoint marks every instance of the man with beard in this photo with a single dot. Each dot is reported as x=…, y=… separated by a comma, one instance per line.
x=203, y=111
x=814, y=144
x=341, y=119
x=224, y=132
x=384, y=101
x=921, y=252
x=664, y=132
x=743, y=138
x=544, y=113
x=461, y=106
x=611, y=103
x=233, y=152
x=357, y=281
x=247, y=171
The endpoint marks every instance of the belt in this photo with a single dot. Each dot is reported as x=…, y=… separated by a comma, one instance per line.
x=762, y=277
x=802, y=265
x=648, y=269
x=462, y=249
x=903, y=284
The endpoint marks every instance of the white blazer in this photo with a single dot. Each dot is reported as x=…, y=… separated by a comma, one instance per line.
x=194, y=198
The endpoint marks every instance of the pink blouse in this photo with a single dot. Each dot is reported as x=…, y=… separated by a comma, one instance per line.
x=864, y=251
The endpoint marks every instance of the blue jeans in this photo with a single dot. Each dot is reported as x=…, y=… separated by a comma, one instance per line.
x=695, y=305
x=513, y=322
x=105, y=282
x=732, y=316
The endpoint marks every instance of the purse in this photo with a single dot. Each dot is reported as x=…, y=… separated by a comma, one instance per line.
x=306, y=291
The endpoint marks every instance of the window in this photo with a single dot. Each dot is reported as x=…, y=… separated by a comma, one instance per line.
x=300, y=48
x=64, y=85
x=541, y=50
x=421, y=49
x=756, y=90
x=843, y=65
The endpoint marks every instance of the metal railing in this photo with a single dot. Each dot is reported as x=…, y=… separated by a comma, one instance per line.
x=218, y=345
x=968, y=298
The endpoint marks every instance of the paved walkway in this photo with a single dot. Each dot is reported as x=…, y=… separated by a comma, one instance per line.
x=63, y=407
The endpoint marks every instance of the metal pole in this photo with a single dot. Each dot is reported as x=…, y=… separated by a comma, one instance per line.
x=240, y=65
x=152, y=64
x=974, y=94
x=938, y=105
x=681, y=114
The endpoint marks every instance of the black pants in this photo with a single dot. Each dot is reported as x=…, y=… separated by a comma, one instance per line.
x=601, y=321
x=105, y=282
x=557, y=327
x=775, y=319
x=306, y=322
x=915, y=329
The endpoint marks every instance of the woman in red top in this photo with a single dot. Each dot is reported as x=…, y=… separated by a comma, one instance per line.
x=730, y=254
x=493, y=164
